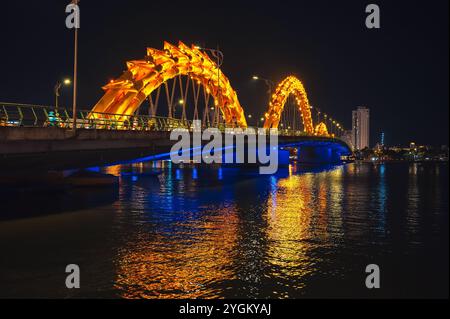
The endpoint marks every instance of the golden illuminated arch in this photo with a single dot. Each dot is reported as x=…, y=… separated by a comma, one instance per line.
x=321, y=129
x=290, y=85
x=125, y=94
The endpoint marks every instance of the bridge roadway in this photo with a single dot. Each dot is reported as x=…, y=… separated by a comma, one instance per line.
x=39, y=148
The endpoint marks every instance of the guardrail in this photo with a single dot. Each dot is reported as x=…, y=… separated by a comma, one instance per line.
x=24, y=115
x=27, y=115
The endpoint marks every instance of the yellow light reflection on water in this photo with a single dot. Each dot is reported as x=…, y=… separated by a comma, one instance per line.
x=179, y=268
x=192, y=257
x=302, y=210
x=289, y=225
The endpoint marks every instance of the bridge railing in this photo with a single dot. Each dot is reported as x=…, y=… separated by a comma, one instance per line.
x=26, y=115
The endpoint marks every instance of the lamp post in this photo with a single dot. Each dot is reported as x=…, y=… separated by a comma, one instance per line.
x=75, y=74
x=318, y=115
x=262, y=119
x=218, y=55
x=250, y=117
x=180, y=104
x=270, y=85
x=268, y=82
x=325, y=121
x=58, y=86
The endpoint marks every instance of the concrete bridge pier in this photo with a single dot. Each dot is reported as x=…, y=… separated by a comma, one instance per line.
x=283, y=157
x=318, y=155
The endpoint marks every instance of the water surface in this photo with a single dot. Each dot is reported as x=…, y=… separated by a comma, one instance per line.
x=217, y=232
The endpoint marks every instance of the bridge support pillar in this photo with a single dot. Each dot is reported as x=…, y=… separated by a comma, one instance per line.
x=335, y=156
x=283, y=157
x=318, y=155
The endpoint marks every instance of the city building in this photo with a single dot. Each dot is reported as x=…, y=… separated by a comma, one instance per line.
x=361, y=128
x=380, y=146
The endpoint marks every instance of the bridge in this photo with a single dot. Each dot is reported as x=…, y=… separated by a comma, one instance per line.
x=167, y=90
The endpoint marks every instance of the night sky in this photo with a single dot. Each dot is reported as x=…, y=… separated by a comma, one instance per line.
x=400, y=72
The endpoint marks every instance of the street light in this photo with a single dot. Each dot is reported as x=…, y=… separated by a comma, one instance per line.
x=318, y=115
x=75, y=73
x=58, y=86
x=268, y=82
x=270, y=85
x=218, y=55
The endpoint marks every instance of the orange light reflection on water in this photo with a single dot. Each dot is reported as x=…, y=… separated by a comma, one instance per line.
x=179, y=269
x=288, y=219
x=301, y=210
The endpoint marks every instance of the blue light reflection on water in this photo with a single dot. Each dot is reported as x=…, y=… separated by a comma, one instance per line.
x=307, y=205
x=185, y=231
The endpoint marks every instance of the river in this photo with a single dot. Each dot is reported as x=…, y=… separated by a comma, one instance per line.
x=223, y=232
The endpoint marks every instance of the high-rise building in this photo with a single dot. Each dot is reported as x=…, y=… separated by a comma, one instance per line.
x=360, y=128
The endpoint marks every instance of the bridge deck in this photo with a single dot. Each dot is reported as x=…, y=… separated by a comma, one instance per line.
x=57, y=148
